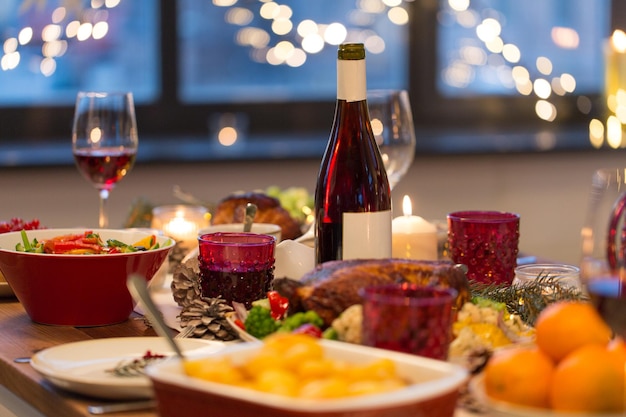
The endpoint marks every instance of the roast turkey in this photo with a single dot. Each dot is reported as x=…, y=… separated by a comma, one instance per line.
x=332, y=287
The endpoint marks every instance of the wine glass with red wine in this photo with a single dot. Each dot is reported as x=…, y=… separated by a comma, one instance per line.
x=603, y=263
x=104, y=141
x=392, y=123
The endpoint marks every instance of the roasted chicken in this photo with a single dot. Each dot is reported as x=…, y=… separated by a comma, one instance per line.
x=334, y=286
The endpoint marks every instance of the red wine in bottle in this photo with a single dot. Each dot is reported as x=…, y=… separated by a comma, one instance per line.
x=352, y=197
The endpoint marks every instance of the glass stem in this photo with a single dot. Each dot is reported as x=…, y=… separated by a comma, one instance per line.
x=103, y=219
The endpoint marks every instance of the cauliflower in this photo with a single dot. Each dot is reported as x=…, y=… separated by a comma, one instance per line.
x=484, y=326
x=465, y=341
x=348, y=324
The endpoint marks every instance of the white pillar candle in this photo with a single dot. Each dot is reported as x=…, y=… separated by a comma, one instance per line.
x=412, y=236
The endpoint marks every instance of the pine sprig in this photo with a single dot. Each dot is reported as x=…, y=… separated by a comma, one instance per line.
x=529, y=299
x=136, y=367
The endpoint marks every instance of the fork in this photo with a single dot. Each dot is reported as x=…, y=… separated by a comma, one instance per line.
x=185, y=332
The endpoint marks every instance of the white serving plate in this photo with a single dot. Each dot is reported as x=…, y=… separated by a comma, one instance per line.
x=243, y=335
x=81, y=367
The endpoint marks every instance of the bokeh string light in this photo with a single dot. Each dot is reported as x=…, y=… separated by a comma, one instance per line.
x=71, y=21
x=540, y=78
x=269, y=28
x=507, y=61
x=276, y=36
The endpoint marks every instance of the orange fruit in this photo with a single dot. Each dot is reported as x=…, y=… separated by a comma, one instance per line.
x=519, y=375
x=589, y=379
x=564, y=326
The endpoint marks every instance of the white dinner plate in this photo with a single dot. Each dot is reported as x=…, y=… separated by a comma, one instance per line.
x=82, y=367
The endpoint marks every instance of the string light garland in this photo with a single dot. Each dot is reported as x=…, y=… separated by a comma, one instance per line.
x=70, y=21
x=540, y=78
x=275, y=35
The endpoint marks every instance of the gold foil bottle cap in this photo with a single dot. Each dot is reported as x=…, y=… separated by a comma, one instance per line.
x=351, y=51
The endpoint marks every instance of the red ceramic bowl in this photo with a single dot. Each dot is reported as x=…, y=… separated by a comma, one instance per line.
x=433, y=390
x=77, y=290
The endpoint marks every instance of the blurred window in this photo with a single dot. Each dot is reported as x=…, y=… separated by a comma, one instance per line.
x=52, y=51
x=499, y=47
x=270, y=65
x=283, y=51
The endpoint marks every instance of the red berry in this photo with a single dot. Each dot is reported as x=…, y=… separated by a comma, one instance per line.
x=309, y=329
x=16, y=224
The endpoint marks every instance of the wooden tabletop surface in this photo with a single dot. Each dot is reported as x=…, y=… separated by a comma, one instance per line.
x=20, y=337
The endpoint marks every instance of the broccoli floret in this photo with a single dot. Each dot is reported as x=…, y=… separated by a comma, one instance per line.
x=263, y=302
x=330, y=334
x=486, y=302
x=259, y=322
x=290, y=323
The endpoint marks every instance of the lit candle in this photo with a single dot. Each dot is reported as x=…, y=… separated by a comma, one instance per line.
x=413, y=237
x=181, y=229
x=181, y=223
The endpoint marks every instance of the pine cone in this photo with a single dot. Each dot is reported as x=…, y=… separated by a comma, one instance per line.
x=176, y=256
x=208, y=316
x=186, y=282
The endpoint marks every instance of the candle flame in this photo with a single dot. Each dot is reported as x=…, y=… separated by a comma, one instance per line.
x=407, y=209
x=618, y=40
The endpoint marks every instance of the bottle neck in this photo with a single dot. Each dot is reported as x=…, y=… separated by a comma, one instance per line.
x=351, y=83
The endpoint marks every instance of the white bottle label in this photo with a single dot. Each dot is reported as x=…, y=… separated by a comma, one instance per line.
x=351, y=83
x=367, y=235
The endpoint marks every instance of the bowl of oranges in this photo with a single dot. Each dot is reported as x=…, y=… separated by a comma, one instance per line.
x=575, y=367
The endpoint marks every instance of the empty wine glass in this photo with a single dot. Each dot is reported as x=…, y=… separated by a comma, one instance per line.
x=392, y=124
x=104, y=141
x=603, y=235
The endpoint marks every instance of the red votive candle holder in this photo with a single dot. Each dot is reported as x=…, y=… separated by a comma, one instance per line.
x=409, y=318
x=236, y=266
x=486, y=242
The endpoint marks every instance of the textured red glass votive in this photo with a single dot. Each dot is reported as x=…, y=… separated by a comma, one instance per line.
x=486, y=242
x=409, y=318
x=236, y=266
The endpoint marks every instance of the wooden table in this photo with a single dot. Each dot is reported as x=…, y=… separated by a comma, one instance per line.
x=20, y=337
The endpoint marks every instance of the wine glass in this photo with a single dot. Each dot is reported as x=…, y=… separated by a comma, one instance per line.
x=392, y=124
x=104, y=141
x=603, y=234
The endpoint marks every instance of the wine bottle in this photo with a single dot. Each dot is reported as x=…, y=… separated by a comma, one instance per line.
x=352, y=197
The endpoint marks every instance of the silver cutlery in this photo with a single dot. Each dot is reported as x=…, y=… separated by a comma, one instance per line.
x=186, y=332
x=139, y=290
x=249, y=219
